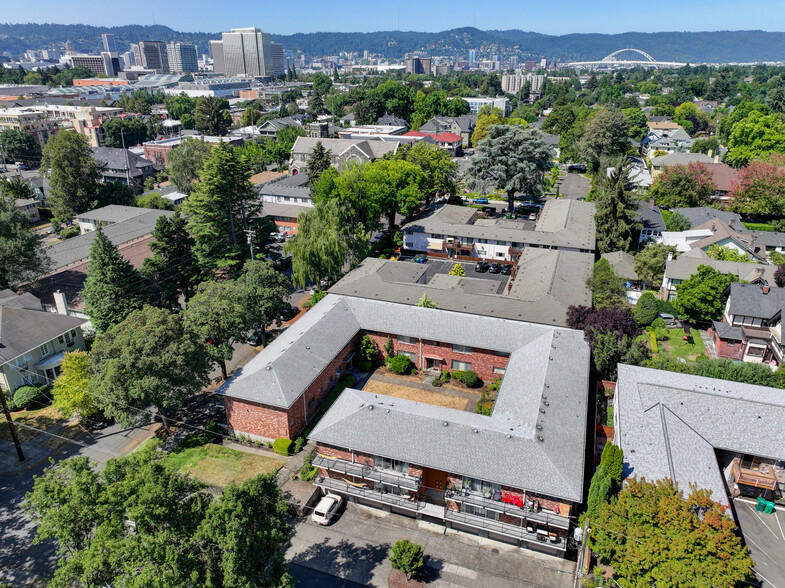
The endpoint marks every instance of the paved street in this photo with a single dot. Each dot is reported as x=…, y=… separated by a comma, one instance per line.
x=355, y=548
x=764, y=535
x=20, y=560
x=575, y=186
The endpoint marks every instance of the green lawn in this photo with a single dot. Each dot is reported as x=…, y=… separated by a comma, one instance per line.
x=217, y=465
x=759, y=227
x=674, y=346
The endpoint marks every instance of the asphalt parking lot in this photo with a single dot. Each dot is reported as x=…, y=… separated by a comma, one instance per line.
x=444, y=267
x=764, y=535
x=354, y=551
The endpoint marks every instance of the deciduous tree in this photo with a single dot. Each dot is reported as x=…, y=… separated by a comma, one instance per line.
x=18, y=145
x=684, y=186
x=651, y=535
x=70, y=391
x=677, y=222
x=650, y=262
x=265, y=292
x=646, y=309
x=702, y=296
x=186, y=162
x=760, y=188
x=21, y=259
x=147, y=360
x=441, y=172
x=606, y=135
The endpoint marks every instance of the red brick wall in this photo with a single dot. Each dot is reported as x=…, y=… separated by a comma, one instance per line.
x=726, y=349
x=483, y=360
x=344, y=454
x=259, y=420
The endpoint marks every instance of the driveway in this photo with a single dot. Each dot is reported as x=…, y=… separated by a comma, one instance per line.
x=354, y=551
x=21, y=561
x=575, y=186
x=764, y=535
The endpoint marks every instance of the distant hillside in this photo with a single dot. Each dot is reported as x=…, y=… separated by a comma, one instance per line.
x=717, y=46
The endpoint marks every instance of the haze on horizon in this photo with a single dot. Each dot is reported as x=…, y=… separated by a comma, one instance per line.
x=554, y=18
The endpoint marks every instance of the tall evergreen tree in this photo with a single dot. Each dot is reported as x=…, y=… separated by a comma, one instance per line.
x=73, y=174
x=318, y=163
x=212, y=115
x=113, y=288
x=221, y=208
x=173, y=269
x=511, y=158
x=616, y=212
x=21, y=258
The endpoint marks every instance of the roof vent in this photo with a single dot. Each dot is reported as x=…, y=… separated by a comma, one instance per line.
x=308, y=347
x=387, y=411
x=444, y=424
x=476, y=431
x=509, y=436
x=370, y=407
x=542, y=410
x=269, y=367
x=546, y=403
x=540, y=438
x=539, y=427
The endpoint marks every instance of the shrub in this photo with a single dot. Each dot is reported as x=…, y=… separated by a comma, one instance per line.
x=445, y=376
x=269, y=444
x=436, y=382
x=457, y=374
x=299, y=443
x=367, y=349
x=645, y=310
x=69, y=232
x=658, y=323
x=401, y=364
x=406, y=557
x=364, y=365
x=282, y=445
x=308, y=473
x=27, y=397
x=317, y=296
x=471, y=379
x=388, y=348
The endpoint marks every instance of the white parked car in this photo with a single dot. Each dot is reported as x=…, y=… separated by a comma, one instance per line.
x=326, y=509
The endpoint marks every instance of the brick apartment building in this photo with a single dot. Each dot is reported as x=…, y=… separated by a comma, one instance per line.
x=515, y=475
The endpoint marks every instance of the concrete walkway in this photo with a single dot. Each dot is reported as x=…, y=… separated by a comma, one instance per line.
x=711, y=351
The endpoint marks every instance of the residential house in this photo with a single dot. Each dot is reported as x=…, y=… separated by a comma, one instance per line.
x=669, y=141
x=661, y=162
x=342, y=151
x=124, y=166
x=623, y=265
x=652, y=224
x=515, y=476
x=29, y=208
x=716, y=233
x=713, y=434
x=566, y=225
x=33, y=342
x=271, y=127
x=391, y=119
x=458, y=125
x=284, y=198
x=682, y=267
x=451, y=142
x=707, y=106
x=157, y=151
x=751, y=326
x=371, y=130
x=168, y=191
x=108, y=215
x=700, y=215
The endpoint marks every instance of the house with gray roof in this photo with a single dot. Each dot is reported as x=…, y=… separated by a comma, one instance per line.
x=751, y=326
x=652, y=224
x=33, y=342
x=700, y=431
x=661, y=162
x=699, y=215
x=459, y=125
x=107, y=215
x=515, y=475
x=681, y=268
x=565, y=225
x=124, y=166
x=343, y=151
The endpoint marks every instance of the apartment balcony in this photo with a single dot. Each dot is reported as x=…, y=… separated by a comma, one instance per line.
x=405, y=502
x=524, y=532
x=761, y=478
x=365, y=472
x=540, y=518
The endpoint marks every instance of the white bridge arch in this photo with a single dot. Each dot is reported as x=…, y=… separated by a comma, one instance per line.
x=612, y=61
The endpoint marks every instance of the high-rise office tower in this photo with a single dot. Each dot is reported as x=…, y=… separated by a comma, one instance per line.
x=109, y=44
x=278, y=61
x=216, y=49
x=152, y=55
x=472, y=58
x=247, y=51
x=182, y=57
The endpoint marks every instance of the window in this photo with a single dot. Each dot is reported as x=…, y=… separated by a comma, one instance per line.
x=461, y=365
x=44, y=349
x=498, y=370
x=407, y=340
x=479, y=512
x=410, y=355
x=461, y=348
x=22, y=360
x=385, y=463
x=431, y=343
x=500, y=254
x=501, y=354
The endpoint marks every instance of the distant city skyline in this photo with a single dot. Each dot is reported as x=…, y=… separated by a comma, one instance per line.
x=553, y=18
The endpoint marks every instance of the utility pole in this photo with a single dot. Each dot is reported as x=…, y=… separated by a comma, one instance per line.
x=11, y=426
x=127, y=162
x=250, y=234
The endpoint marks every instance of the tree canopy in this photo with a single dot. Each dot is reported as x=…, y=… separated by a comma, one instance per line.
x=186, y=162
x=650, y=262
x=607, y=288
x=702, y=296
x=265, y=292
x=616, y=211
x=18, y=145
x=760, y=188
x=652, y=535
x=21, y=259
x=606, y=135
x=684, y=186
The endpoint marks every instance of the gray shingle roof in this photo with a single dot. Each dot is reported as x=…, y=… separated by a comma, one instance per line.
x=680, y=159
x=686, y=265
x=292, y=186
x=24, y=327
x=650, y=216
x=749, y=300
x=77, y=248
x=506, y=447
x=373, y=148
x=113, y=213
x=669, y=424
x=623, y=264
x=115, y=159
x=700, y=215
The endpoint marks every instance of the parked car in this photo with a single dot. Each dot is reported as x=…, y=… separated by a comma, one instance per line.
x=326, y=509
x=576, y=167
x=289, y=313
x=480, y=201
x=506, y=269
x=481, y=267
x=21, y=165
x=533, y=216
x=255, y=338
x=495, y=267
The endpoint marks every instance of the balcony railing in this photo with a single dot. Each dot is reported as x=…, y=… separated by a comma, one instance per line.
x=758, y=479
x=543, y=518
x=366, y=472
x=370, y=494
x=521, y=533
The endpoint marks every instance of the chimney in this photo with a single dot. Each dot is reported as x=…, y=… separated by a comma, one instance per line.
x=61, y=303
x=651, y=203
x=766, y=289
x=714, y=227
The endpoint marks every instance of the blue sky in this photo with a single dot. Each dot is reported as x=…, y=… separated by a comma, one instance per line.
x=555, y=17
